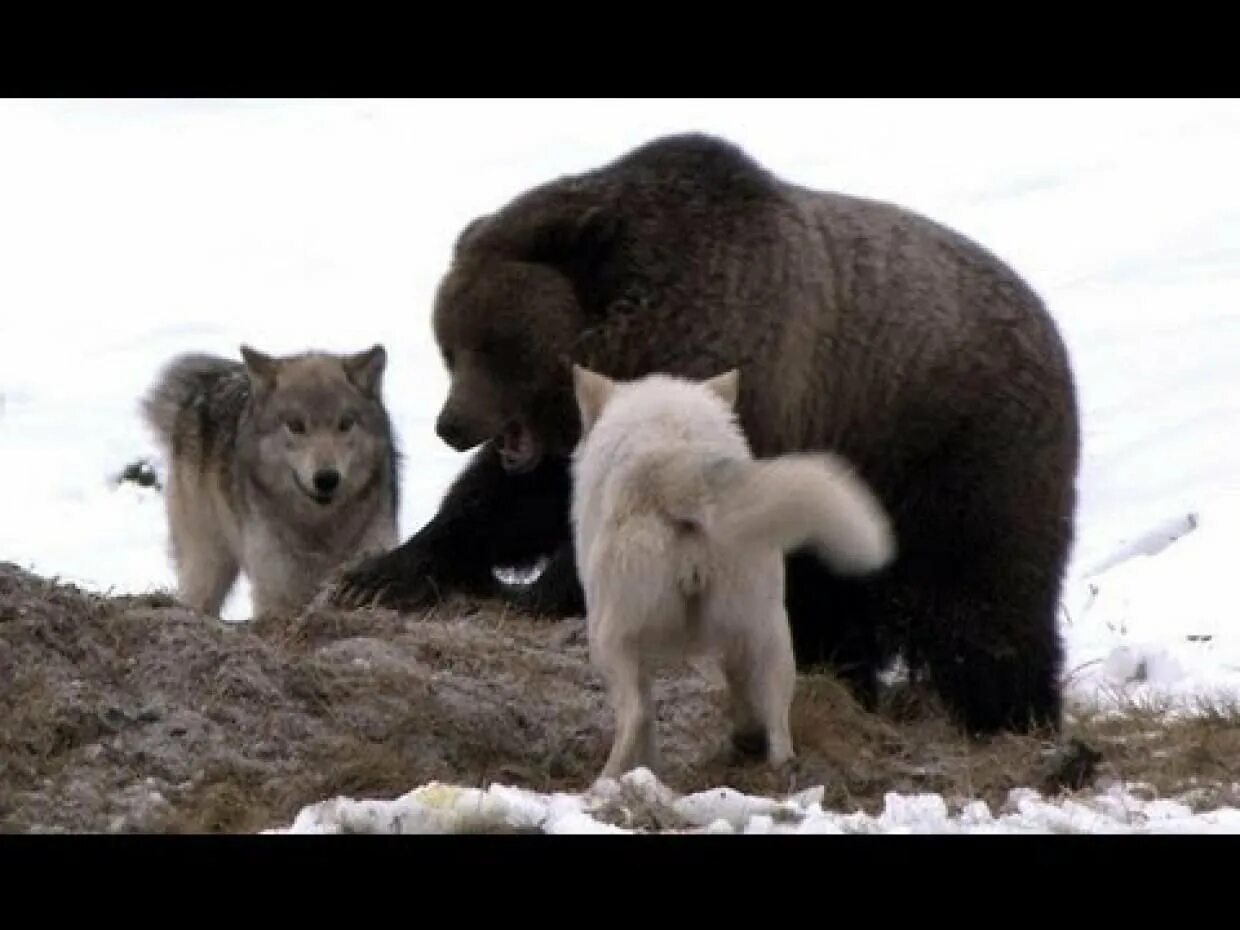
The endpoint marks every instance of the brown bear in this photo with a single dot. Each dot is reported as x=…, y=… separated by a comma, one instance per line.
x=858, y=327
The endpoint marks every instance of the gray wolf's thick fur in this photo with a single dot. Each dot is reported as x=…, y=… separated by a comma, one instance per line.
x=680, y=536
x=284, y=468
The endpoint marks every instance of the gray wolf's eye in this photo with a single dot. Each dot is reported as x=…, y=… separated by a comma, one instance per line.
x=346, y=422
x=295, y=425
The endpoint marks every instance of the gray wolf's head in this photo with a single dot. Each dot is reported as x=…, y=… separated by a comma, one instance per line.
x=318, y=432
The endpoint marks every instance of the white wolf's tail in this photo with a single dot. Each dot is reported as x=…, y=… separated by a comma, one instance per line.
x=785, y=503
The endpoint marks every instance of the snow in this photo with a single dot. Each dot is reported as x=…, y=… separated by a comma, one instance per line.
x=131, y=230
x=440, y=808
x=1160, y=627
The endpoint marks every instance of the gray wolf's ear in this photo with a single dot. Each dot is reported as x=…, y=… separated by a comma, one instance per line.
x=365, y=369
x=592, y=391
x=261, y=368
x=726, y=387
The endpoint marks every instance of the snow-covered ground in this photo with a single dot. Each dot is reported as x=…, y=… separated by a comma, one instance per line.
x=132, y=230
x=617, y=806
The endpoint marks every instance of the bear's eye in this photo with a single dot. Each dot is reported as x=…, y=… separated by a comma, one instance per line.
x=295, y=425
x=346, y=422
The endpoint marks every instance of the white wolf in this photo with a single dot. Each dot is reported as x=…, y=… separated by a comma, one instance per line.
x=680, y=534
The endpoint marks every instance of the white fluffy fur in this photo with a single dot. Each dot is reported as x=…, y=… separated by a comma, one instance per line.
x=680, y=536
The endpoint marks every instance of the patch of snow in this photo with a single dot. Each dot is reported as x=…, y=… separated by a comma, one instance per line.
x=440, y=808
x=1161, y=627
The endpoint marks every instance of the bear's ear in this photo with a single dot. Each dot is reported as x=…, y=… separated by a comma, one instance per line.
x=592, y=391
x=470, y=233
x=261, y=368
x=576, y=240
x=726, y=387
x=365, y=369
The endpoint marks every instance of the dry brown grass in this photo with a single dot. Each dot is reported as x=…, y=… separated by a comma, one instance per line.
x=134, y=713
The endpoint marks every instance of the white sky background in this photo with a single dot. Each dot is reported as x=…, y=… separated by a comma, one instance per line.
x=132, y=230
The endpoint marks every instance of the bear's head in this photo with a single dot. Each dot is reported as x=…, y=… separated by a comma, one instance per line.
x=507, y=318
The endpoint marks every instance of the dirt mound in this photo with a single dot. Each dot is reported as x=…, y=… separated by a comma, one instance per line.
x=135, y=713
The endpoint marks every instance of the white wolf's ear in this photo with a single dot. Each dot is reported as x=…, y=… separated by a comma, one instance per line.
x=262, y=368
x=365, y=369
x=726, y=387
x=592, y=391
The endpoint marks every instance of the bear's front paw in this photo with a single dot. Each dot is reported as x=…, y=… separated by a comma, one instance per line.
x=398, y=580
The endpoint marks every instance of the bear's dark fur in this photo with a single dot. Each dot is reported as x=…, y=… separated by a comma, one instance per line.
x=858, y=327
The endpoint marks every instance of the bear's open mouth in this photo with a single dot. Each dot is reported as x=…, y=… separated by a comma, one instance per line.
x=519, y=450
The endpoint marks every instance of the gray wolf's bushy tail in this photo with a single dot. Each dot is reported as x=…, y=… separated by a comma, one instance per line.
x=783, y=503
x=185, y=381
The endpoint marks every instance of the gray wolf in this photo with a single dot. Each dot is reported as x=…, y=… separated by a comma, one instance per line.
x=680, y=536
x=283, y=468
x=858, y=326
